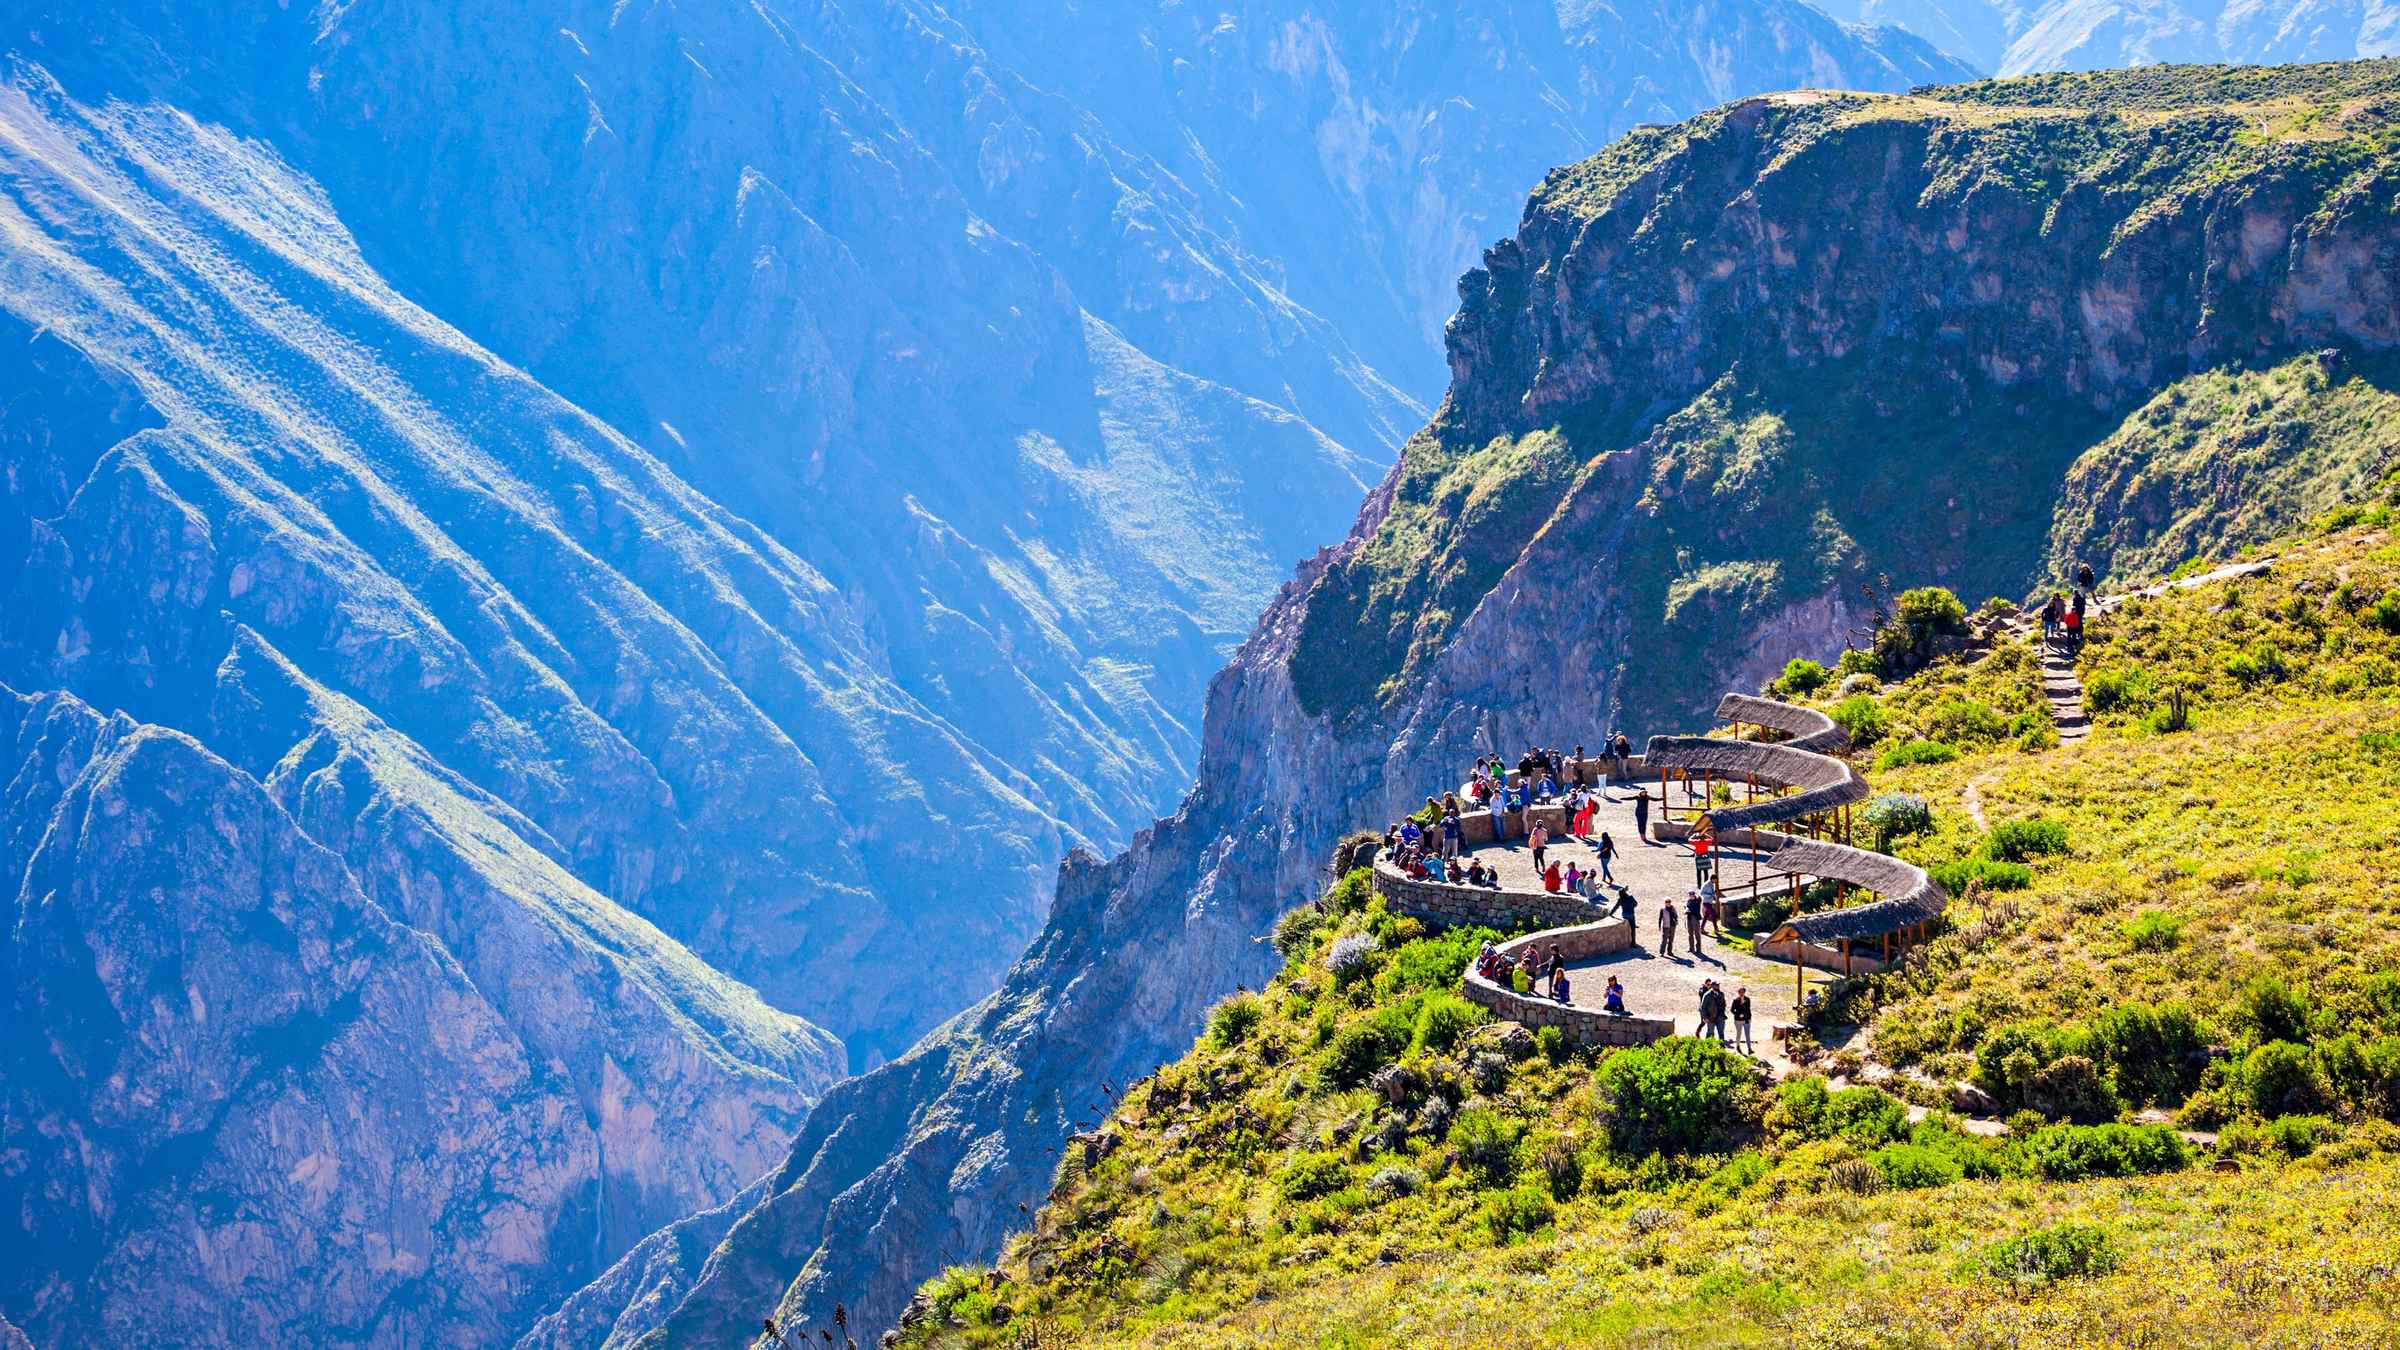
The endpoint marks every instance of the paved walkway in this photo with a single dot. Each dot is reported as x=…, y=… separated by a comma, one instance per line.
x=1657, y=983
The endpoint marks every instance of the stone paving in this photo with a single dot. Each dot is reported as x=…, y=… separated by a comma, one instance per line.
x=1658, y=983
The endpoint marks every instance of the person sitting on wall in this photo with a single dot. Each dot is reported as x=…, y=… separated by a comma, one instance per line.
x=1434, y=868
x=1612, y=1001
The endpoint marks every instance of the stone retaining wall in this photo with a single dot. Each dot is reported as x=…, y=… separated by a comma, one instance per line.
x=1584, y=1026
x=1447, y=905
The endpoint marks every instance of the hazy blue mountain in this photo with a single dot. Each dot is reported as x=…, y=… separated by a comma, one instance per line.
x=2014, y=37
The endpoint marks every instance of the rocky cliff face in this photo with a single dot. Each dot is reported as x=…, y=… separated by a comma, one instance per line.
x=1724, y=373
x=233, y=1071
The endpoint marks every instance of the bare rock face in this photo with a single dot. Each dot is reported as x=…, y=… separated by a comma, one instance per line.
x=1725, y=373
x=232, y=1071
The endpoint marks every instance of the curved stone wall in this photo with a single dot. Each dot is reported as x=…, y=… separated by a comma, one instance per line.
x=1448, y=905
x=1584, y=1026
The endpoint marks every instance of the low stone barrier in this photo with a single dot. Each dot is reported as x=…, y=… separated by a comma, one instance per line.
x=1584, y=1026
x=1449, y=905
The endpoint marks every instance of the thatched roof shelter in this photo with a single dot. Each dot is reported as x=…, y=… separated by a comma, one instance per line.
x=1909, y=896
x=1821, y=782
x=1807, y=728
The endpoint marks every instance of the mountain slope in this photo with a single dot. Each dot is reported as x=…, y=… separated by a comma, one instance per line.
x=238, y=1076
x=1726, y=372
x=242, y=515
x=2016, y=37
x=921, y=292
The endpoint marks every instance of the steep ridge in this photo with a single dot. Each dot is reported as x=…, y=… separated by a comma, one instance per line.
x=234, y=1072
x=303, y=535
x=1725, y=372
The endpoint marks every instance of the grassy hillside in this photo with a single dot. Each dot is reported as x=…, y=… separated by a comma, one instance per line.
x=2188, y=917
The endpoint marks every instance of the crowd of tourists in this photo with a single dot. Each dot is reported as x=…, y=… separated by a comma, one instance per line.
x=1430, y=845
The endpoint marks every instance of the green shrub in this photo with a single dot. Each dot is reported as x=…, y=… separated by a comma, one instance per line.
x=1914, y=752
x=1964, y=719
x=2365, y=1073
x=2281, y=1078
x=1681, y=1095
x=2152, y=1054
x=2047, y=1255
x=1311, y=1175
x=1955, y=877
x=2018, y=840
x=1296, y=931
x=1911, y=1167
x=1233, y=1020
x=2072, y=1087
x=1516, y=1212
x=1801, y=676
x=2153, y=930
x=1894, y=815
x=2259, y=663
x=2271, y=1009
x=1797, y=1109
x=1866, y=1115
x=2120, y=689
x=2010, y=1056
x=1350, y=894
x=2385, y=612
x=1552, y=1042
x=1444, y=1020
x=2075, y=1152
x=1486, y=1141
x=1861, y=718
x=1361, y=1048
x=1434, y=962
x=2291, y=1136
x=1932, y=609
x=1858, y=661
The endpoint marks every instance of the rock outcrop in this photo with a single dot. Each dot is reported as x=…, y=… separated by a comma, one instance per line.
x=1724, y=373
x=244, y=1103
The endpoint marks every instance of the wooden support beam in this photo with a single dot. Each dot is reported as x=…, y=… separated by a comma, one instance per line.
x=1845, y=958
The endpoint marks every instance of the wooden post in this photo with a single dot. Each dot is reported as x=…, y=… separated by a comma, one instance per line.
x=1845, y=958
x=1887, y=948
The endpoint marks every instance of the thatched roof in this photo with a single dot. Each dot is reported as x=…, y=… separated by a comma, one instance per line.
x=1808, y=728
x=1822, y=782
x=1908, y=894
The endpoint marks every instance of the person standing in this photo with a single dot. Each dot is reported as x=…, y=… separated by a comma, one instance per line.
x=1712, y=1010
x=1711, y=911
x=1606, y=849
x=1702, y=844
x=1666, y=928
x=1626, y=910
x=1641, y=813
x=1540, y=839
x=1691, y=914
x=1741, y=1017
